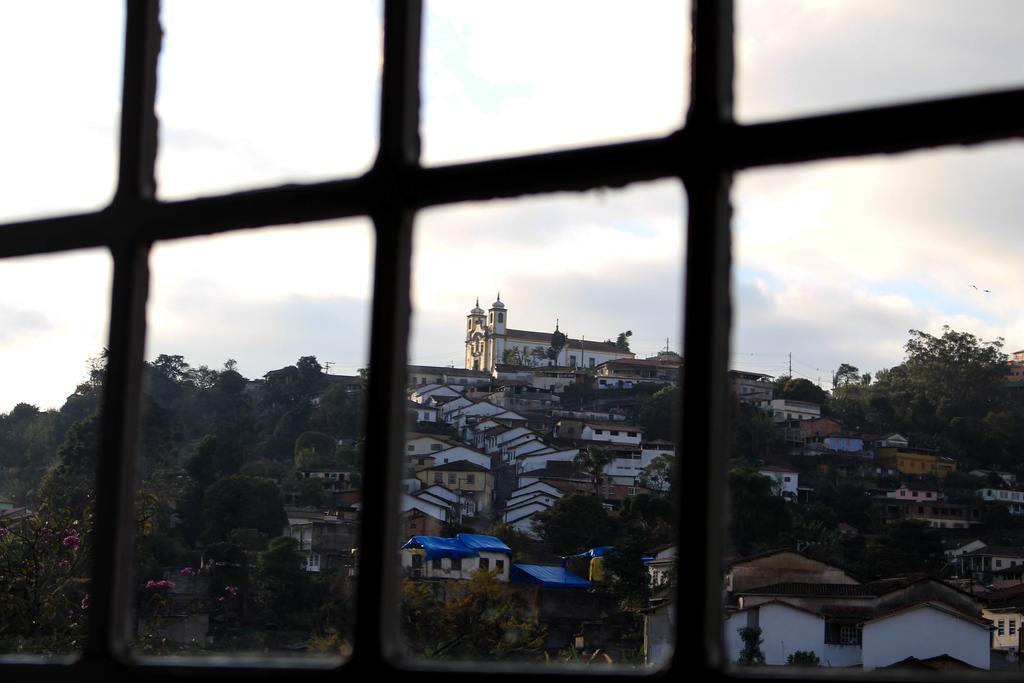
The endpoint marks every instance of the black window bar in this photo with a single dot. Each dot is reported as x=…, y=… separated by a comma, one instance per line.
x=704, y=154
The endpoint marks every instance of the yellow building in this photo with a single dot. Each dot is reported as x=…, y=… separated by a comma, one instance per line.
x=464, y=477
x=916, y=461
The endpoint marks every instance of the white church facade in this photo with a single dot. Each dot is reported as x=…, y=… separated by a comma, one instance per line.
x=489, y=341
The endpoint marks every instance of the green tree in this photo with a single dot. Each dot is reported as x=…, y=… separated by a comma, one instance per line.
x=622, y=341
x=752, y=641
x=242, y=502
x=657, y=477
x=799, y=389
x=757, y=518
x=657, y=413
x=846, y=375
x=283, y=583
x=575, y=523
x=593, y=460
x=479, y=619
x=803, y=658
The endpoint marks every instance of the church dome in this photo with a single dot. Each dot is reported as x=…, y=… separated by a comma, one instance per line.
x=476, y=309
x=498, y=304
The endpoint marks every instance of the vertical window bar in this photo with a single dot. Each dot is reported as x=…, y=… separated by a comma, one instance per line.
x=707, y=314
x=110, y=586
x=399, y=149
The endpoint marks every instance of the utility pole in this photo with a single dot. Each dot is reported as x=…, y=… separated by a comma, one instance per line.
x=790, y=364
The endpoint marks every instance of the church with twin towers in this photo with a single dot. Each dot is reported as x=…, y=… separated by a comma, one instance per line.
x=490, y=341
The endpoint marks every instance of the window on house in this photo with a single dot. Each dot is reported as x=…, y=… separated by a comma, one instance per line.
x=1013, y=627
x=457, y=564
x=470, y=478
x=694, y=155
x=485, y=563
x=1001, y=627
x=500, y=566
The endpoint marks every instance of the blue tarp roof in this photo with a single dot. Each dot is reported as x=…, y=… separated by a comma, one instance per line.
x=437, y=547
x=547, y=576
x=463, y=545
x=599, y=551
x=489, y=544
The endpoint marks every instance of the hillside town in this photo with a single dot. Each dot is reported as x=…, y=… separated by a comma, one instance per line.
x=876, y=524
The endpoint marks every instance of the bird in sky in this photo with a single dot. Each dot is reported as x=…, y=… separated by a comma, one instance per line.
x=975, y=287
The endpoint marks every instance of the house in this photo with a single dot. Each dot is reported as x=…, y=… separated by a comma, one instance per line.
x=787, y=409
x=915, y=493
x=785, y=481
x=420, y=412
x=326, y=541
x=464, y=477
x=547, y=576
x=661, y=568
x=786, y=629
x=459, y=558
x=924, y=630
x=907, y=460
x=937, y=514
x=659, y=633
x=592, y=430
x=1011, y=500
x=991, y=558
x=422, y=375
x=1005, y=609
x=779, y=566
x=1009, y=479
x=751, y=387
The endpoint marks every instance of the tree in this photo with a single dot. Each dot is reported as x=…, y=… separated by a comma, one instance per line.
x=242, y=502
x=846, y=375
x=658, y=475
x=757, y=517
x=657, y=413
x=752, y=640
x=799, y=389
x=283, y=583
x=574, y=524
x=622, y=341
x=479, y=619
x=593, y=460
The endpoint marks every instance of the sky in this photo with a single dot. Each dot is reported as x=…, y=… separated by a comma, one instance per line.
x=834, y=262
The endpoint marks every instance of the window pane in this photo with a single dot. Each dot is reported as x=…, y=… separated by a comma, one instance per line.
x=530, y=531
x=874, y=366
x=796, y=57
x=60, y=75
x=500, y=80
x=252, y=426
x=52, y=338
x=254, y=93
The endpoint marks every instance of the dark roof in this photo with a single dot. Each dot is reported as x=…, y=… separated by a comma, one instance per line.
x=1000, y=550
x=818, y=590
x=441, y=370
x=572, y=344
x=939, y=663
x=459, y=466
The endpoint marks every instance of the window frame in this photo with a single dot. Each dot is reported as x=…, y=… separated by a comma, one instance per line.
x=704, y=154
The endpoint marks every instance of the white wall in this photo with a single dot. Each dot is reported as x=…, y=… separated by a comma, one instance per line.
x=924, y=632
x=784, y=630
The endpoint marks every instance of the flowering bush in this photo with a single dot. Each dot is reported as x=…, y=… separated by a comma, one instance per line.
x=44, y=561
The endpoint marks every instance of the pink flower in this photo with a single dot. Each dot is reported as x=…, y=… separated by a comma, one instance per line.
x=85, y=601
x=162, y=583
x=231, y=590
x=72, y=541
x=188, y=571
x=220, y=599
x=4, y=531
x=63, y=563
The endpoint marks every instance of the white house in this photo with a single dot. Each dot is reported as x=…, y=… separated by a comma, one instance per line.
x=785, y=481
x=433, y=557
x=612, y=433
x=924, y=630
x=456, y=453
x=426, y=444
x=1012, y=500
x=785, y=629
x=785, y=409
x=538, y=460
x=422, y=411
